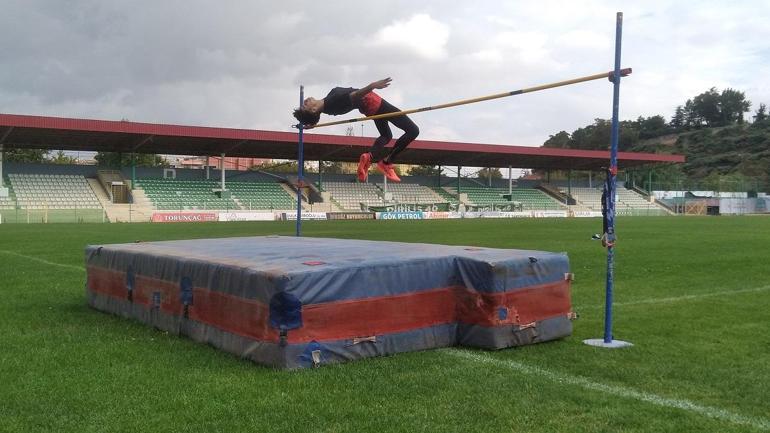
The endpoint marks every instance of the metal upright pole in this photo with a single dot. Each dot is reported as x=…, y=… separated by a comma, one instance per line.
x=510, y=182
x=458, y=182
x=300, y=166
x=613, y=176
x=222, y=171
x=3, y=191
x=609, y=236
x=320, y=175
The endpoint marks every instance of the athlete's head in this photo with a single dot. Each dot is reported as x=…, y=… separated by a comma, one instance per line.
x=306, y=117
x=310, y=111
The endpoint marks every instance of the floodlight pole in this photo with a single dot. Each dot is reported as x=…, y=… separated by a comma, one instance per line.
x=300, y=165
x=609, y=236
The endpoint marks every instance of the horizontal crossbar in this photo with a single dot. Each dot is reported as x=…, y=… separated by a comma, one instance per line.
x=608, y=75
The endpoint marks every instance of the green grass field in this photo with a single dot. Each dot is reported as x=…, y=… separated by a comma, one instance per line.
x=693, y=295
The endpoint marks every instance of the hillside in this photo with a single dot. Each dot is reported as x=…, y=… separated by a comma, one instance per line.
x=730, y=157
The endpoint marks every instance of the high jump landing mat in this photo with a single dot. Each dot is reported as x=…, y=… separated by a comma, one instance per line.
x=293, y=302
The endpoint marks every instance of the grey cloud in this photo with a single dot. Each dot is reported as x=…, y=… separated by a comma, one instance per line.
x=239, y=64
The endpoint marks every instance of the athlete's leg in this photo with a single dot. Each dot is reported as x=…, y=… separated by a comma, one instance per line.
x=411, y=131
x=385, y=136
x=376, y=151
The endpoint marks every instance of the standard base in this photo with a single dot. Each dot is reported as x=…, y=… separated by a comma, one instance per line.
x=614, y=344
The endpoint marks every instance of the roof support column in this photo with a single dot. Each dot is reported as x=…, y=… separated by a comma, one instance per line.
x=510, y=182
x=384, y=183
x=208, y=173
x=222, y=170
x=649, y=182
x=3, y=189
x=133, y=171
x=458, y=182
x=438, y=177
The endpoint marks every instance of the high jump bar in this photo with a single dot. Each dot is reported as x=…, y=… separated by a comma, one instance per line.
x=608, y=75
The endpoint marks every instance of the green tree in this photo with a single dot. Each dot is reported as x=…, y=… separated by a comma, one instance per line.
x=61, y=158
x=485, y=173
x=732, y=105
x=117, y=159
x=424, y=170
x=691, y=118
x=719, y=109
x=761, y=113
x=678, y=119
x=25, y=155
x=651, y=127
x=707, y=107
x=334, y=167
x=592, y=137
x=561, y=140
x=598, y=135
x=278, y=167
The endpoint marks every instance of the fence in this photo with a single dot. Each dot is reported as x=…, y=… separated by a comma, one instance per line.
x=29, y=216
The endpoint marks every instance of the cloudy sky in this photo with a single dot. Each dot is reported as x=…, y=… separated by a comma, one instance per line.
x=240, y=63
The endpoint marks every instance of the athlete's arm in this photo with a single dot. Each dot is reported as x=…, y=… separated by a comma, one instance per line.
x=379, y=84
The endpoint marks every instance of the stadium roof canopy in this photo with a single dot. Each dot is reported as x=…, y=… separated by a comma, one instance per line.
x=38, y=132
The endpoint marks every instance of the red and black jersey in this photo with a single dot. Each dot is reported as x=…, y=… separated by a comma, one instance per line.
x=338, y=101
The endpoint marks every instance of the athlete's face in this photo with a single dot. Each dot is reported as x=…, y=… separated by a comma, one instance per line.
x=312, y=105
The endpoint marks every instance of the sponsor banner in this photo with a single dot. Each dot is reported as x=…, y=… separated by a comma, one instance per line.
x=417, y=215
x=412, y=207
x=350, y=215
x=586, y=214
x=292, y=216
x=519, y=214
x=247, y=216
x=436, y=215
x=491, y=214
x=509, y=207
x=549, y=214
x=180, y=217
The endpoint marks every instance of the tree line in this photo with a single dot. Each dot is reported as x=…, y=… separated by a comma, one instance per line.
x=710, y=109
x=105, y=159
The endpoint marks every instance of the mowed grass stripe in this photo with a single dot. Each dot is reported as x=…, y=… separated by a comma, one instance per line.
x=618, y=391
x=683, y=297
x=45, y=262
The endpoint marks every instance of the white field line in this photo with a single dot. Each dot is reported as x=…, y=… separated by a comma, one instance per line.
x=681, y=298
x=615, y=390
x=61, y=265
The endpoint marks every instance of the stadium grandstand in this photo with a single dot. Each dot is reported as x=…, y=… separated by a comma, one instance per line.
x=627, y=201
x=139, y=193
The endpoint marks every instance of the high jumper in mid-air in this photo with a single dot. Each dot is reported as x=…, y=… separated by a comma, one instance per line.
x=342, y=100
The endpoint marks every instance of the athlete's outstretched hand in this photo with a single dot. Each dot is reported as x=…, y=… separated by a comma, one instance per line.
x=381, y=84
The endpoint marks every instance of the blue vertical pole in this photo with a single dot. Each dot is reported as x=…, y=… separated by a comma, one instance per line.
x=613, y=171
x=300, y=166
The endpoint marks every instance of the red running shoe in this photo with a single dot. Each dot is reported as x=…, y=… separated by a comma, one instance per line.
x=388, y=171
x=364, y=162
